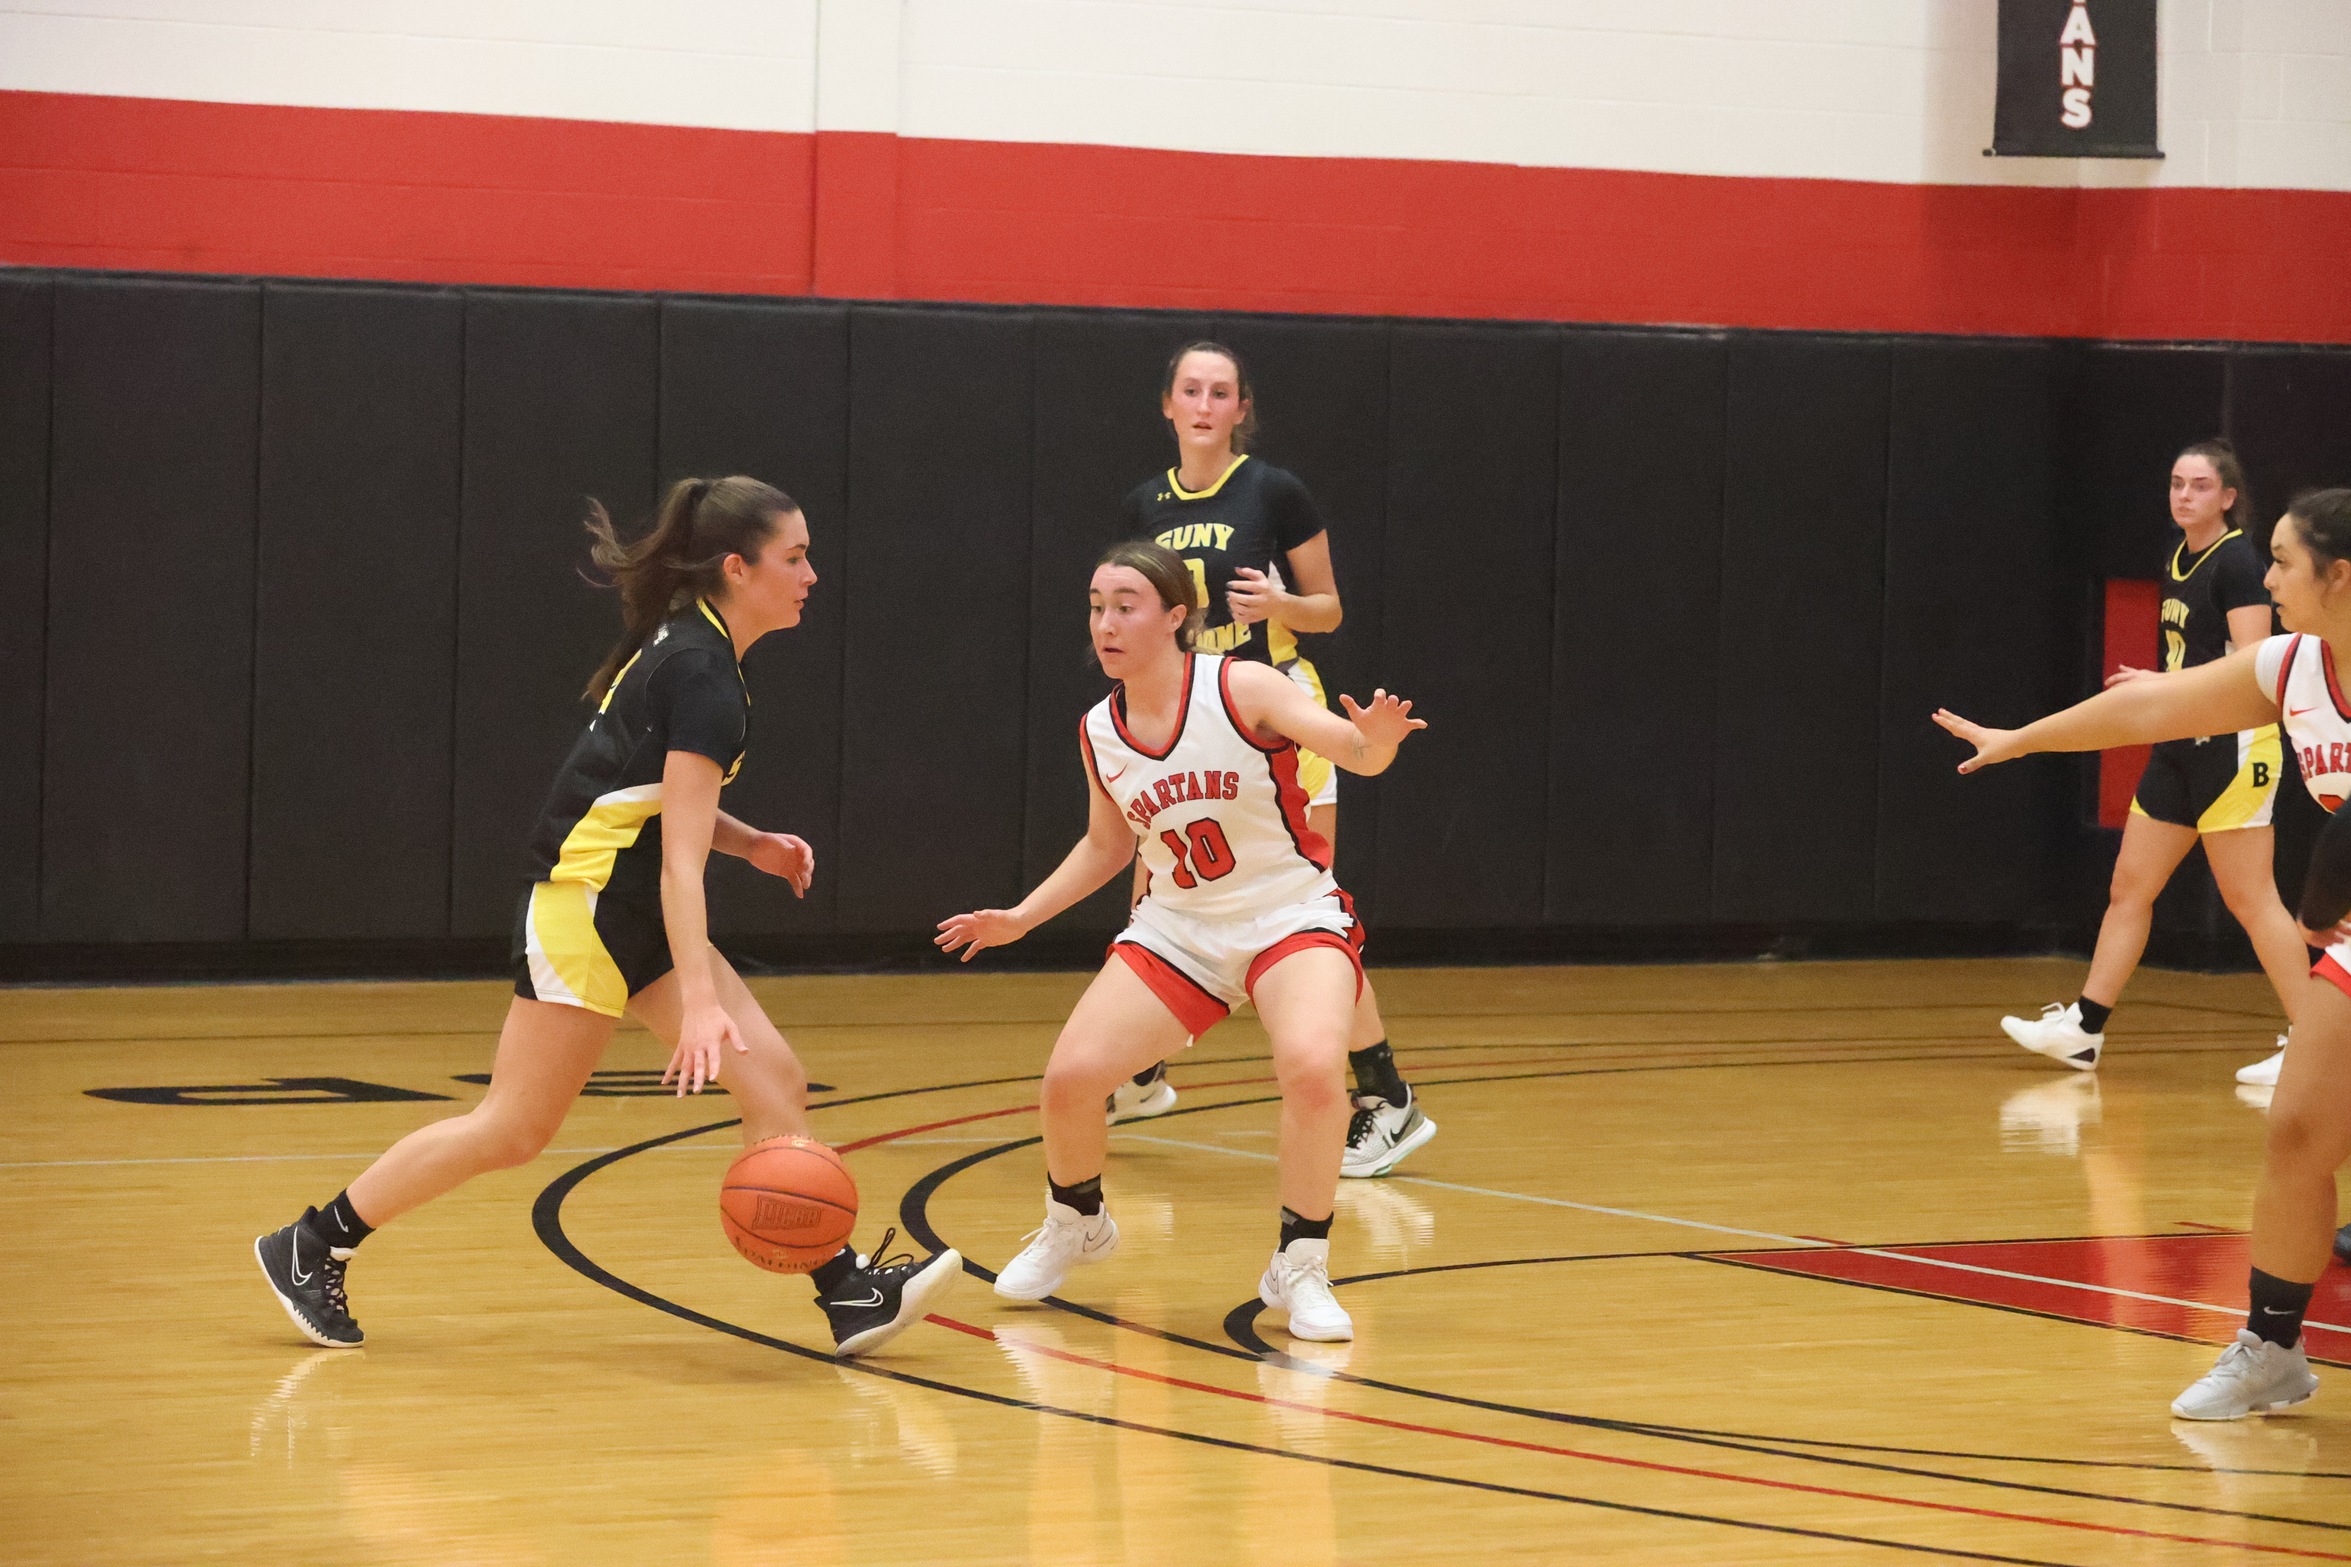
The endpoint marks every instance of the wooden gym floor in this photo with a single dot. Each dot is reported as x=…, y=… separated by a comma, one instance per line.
x=1752, y=1263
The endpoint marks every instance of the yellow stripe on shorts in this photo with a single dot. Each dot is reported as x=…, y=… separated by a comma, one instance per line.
x=2246, y=801
x=563, y=943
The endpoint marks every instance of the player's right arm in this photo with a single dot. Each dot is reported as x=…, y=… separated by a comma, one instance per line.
x=1101, y=854
x=2221, y=697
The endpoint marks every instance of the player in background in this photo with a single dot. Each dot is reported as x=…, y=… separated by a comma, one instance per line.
x=614, y=919
x=1196, y=756
x=2216, y=789
x=2290, y=678
x=1248, y=531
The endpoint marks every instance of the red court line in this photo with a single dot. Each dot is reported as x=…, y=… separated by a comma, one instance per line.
x=1242, y=1396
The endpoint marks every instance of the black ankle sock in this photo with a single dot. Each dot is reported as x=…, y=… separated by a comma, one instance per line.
x=832, y=1275
x=1151, y=1074
x=2094, y=1016
x=338, y=1224
x=2278, y=1305
x=1297, y=1229
x=1375, y=1073
x=1085, y=1196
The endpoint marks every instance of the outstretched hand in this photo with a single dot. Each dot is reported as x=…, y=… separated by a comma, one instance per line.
x=703, y=1037
x=1386, y=722
x=969, y=933
x=1991, y=745
x=781, y=854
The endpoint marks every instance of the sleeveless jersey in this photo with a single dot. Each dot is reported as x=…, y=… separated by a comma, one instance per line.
x=1219, y=813
x=2300, y=673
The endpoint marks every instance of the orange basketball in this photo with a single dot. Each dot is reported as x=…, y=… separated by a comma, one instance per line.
x=788, y=1204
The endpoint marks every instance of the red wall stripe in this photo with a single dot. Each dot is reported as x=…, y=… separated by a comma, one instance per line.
x=2132, y=616
x=176, y=186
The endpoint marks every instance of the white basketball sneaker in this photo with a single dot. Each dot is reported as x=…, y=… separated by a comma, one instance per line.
x=1380, y=1134
x=1066, y=1239
x=2057, y=1033
x=2253, y=1377
x=1298, y=1281
x=1133, y=1101
x=2264, y=1072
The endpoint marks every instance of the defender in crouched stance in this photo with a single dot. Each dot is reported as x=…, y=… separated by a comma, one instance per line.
x=1196, y=758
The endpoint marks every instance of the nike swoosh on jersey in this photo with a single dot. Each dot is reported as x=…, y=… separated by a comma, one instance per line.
x=2297, y=712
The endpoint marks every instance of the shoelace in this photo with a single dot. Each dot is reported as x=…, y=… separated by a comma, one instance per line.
x=1360, y=1125
x=1314, y=1274
x=879, y=1263
x=330, y=1285
x=2054, y=1009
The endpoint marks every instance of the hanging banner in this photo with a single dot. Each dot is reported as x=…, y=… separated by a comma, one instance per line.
x=2077, y=79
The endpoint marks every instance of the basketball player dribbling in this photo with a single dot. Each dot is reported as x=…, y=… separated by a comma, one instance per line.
x=1196, y=757
x=614, y=919
x=2290, y=679
x=1250, y=532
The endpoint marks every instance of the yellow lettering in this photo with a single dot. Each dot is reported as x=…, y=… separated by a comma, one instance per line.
x=1224, y=534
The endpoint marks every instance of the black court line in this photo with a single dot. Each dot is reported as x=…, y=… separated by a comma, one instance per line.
x=1248, y=1345
x=547, y=1221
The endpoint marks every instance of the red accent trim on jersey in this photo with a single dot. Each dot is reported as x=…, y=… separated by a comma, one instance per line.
x=2286, y=670
x=1118, y=715
x=1291, y=799
x=1093, y=768
x=1178, y=991
x=1355, y=931
x=1224, y=688
x=1299, y=943
x=2332, y=972
x=2326, y=661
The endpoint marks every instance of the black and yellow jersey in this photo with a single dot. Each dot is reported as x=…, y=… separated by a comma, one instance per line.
x=1253, y=516
x=681, y=691
x=2198, y=593
x=2200, y=590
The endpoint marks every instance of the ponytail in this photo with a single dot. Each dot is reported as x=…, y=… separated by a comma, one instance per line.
x=701, y=523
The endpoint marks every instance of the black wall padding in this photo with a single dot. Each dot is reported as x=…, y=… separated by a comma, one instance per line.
x=2126, y=412
x=559, y=406
x=937, y=646
x=1796, y=716
x=2289, y=413
x=1630, y=818
x=355, y=611
x=763, y=389
x=1465, y=628
x=1099, y=435
x=25, y=308
x=143, y=810
x=1322, y=399
x=1981, y=616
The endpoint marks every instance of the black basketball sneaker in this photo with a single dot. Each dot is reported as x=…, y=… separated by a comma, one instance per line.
x=2343, y=1245
x=307, y=1275
x=885, y=1296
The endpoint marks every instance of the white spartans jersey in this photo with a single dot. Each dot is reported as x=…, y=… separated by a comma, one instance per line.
x=2300, y=673
x=1220, y=815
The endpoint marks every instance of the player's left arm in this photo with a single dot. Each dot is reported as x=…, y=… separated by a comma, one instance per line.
x=2248, y=624
x=1273, y=705
x=689, y=818
x=777, y=853
x=1312, y=606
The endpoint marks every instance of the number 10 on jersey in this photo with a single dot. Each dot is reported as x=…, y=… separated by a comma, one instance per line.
x=1207, y=857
